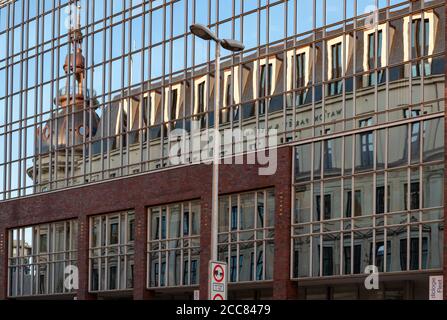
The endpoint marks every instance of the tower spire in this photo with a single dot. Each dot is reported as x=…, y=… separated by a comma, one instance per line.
x=75, y=61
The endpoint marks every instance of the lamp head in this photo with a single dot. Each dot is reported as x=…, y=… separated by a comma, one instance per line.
x=203, y=32
x=232, y=45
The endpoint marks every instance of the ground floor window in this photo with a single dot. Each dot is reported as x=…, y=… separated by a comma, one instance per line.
x=174, y=245
x=246, y=235
x=39, y=256
x=112, y=252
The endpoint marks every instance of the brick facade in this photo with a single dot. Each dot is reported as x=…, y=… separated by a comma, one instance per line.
x=139, y=193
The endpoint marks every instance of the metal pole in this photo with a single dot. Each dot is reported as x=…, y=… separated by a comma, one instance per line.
x=216, y=137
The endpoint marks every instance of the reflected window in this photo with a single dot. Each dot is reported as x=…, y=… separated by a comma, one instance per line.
x=328, y=154
x=380, y=256
x=173, y=109
x=114, y=233
x=327, y=207
x=420, y=41
x=259, y=265
x=357, y=204
x=328, y=261
x=265, y=85
x=201, y=103
x=348, y=259
x=335, y=88
x=414, y=254
x=366, y=145
x=414, y=196
x=375, y=56
x=300, y=73
x=234, y=217
x=233, y=268
x=415, y=133
x=380, y=199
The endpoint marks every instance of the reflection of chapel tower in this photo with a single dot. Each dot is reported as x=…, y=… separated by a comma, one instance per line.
x=73, y=121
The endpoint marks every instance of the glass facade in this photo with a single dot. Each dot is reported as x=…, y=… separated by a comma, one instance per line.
x=94, y=93
x=112, y=252
x=38, y=259
x=372, y=198
x=174, y=245
x=246, y=235
x=92, y=90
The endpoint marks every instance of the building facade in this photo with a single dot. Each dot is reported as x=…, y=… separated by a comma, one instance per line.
x=98, y=97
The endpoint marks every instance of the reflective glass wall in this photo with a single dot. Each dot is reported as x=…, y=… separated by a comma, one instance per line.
x=374, y=198
x=93, y=90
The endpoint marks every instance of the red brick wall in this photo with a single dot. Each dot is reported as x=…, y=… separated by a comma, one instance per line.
x=140, y=192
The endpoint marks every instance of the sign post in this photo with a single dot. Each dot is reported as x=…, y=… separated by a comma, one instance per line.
x=218, y=281
x=436, y=289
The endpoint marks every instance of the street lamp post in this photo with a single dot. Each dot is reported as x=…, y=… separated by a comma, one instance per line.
x=204, y=33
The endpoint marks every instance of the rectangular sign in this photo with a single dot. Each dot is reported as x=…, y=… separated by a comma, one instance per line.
x=218, y=281
x=436, y=288
x=196, y=295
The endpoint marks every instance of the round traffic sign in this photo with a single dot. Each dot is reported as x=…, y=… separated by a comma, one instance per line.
x=218, y=273
x=218, y=297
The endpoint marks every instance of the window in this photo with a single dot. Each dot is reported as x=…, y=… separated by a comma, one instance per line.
x=112, y=277
x=420, y=37
x=233, y=268
x=186, y=223
x=375, y=56
x=300, y=73
x=131, y=232
x=260, y=208
x=300, y=64
x=37, y=257
x=193, y=271
x=201, y=104
x=380, y=256
x=415, y=133
x=414, y=254
x=229, y=102
x=112, y=254
x=357, y=204
x=173, y=258
x=414, y=196
x=43, y=241
x=246, y=225
x=328, y=261
x=335, y=87
x=173, y=108
x=328, y=155
x=336, y=60
x=366, y=146
x=265, y=85
x=380, y=199
x=260, y=265
x=234, y=217
x=327, y=207
x=114, y=233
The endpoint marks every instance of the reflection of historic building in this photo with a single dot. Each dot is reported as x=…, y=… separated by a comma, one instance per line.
x=288, y=91
x=359, y=111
